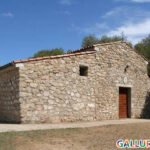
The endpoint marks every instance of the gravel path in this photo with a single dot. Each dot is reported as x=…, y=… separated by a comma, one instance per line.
x=29, y=127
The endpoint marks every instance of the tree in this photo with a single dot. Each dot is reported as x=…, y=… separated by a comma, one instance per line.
x=92, y=39
x=89, y=41
x=143, y=48
x=49, y=52
x=106, y=39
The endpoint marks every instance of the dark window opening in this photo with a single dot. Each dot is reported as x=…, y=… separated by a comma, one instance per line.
x=83, y=71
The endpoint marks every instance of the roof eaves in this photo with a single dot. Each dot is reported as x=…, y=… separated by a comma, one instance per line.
x=7, y=65
x=53, y=57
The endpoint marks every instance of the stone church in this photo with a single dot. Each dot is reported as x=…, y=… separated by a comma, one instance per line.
x=103, y=81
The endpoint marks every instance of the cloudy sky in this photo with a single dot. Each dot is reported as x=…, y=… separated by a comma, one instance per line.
x=27, y=26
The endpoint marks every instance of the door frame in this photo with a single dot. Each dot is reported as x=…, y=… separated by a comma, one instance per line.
x=128, y=101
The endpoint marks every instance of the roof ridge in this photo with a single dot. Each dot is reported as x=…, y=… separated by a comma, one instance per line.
x=108, y=43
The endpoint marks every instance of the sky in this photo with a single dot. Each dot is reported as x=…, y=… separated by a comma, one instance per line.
x=27, y=26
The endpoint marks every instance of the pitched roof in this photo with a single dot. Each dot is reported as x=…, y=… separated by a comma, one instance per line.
x=53, y=57
x=81, y=51
x=47, y=57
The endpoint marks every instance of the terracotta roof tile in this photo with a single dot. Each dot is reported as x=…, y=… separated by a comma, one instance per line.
x=52, y=57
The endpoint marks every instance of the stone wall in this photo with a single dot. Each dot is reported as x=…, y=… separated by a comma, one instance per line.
x=113, y=59
x=52, y=90
x=9, y=95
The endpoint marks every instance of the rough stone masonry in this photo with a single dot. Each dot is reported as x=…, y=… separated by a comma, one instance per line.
x=79, y=86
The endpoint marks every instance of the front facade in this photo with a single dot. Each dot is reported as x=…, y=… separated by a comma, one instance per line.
x=105, y=81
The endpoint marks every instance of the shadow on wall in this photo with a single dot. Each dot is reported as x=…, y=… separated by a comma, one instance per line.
x=9, y=96
x=146, y=110
x=11, y=114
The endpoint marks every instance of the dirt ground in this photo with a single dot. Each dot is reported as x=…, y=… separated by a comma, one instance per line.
x=94, y=138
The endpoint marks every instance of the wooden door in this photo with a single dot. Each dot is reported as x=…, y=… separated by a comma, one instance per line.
x=123, y=103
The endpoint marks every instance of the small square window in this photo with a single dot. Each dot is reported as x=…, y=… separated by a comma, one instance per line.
x=83, y=71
